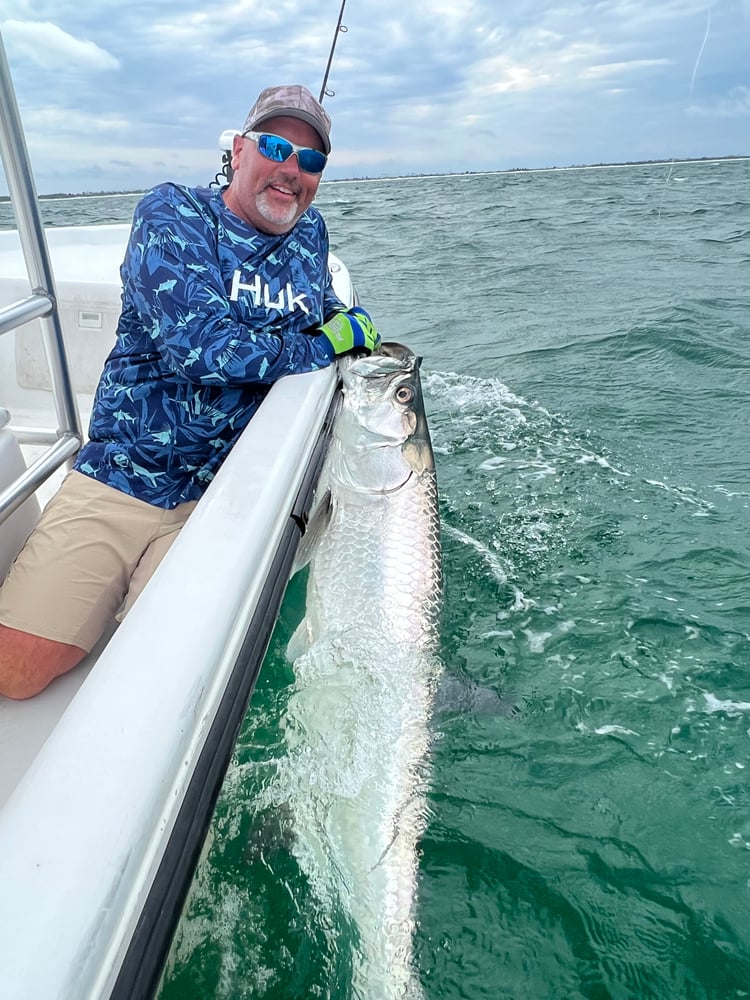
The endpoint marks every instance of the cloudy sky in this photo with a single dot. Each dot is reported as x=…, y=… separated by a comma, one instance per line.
x=122, y=94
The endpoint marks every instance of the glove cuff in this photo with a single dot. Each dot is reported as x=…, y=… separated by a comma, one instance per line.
x=328, y=347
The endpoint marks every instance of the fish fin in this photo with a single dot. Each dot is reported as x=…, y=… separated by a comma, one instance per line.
x=316, y=526
x=299, y=644
x=271, y=832
x=461, y=696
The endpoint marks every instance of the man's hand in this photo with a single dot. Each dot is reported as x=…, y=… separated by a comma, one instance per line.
x=349, y=331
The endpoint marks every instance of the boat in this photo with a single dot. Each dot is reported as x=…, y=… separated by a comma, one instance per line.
x=108, y=778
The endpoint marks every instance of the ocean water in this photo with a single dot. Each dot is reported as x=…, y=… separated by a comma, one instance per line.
x=586, y=345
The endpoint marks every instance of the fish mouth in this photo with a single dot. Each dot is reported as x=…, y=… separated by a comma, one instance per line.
x=389, y=358
x=400, y=352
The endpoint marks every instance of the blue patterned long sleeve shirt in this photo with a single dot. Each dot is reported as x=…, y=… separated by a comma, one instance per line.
x=213, y=312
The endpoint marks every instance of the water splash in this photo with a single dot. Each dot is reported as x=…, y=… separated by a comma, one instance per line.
x=353, y=777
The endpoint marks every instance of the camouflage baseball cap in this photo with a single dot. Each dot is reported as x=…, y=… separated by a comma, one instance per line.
x=293, y=101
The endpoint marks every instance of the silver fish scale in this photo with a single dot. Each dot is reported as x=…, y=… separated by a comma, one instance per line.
x=380, y=560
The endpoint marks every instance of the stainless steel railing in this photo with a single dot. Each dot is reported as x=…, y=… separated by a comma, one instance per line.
x=41, y=304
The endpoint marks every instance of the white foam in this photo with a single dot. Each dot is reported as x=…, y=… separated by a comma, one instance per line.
x=537, y=640
x=602, y=462
x=714, y=704
x=467, y=391
x=496, y=462
x=727, y=492
x=683, y=494
x=493, y=562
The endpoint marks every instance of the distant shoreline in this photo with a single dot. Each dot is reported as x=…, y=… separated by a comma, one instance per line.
x=450, y=173
x=541, y=170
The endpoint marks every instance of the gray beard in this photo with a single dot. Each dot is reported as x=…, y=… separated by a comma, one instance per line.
x=273, y=214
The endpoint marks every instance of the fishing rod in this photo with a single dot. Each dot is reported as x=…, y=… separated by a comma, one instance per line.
x=224, y=176
x=339, y=28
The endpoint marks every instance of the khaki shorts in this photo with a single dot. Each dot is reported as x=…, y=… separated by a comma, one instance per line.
x=87, y=560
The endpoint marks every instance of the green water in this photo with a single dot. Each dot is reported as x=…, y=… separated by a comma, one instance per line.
x=586, y=343
x=586, y=337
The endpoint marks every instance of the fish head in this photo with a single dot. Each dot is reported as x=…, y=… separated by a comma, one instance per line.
x=381, y=431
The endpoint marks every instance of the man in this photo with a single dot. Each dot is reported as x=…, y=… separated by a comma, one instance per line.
x=223, y=293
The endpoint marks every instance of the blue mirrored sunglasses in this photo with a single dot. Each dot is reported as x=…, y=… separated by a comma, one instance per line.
x=276, y=148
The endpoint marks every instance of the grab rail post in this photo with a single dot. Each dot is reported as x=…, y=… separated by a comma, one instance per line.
x=23, y=196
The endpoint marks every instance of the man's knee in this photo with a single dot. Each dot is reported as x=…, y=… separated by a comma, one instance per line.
x=29, y=662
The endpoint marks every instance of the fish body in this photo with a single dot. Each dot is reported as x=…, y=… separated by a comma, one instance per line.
x=377, y=562
x=357, y=721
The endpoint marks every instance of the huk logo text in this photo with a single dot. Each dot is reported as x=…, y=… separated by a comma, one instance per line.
x=286, y=301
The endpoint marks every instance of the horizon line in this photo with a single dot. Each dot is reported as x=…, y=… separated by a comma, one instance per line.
x=448, y=173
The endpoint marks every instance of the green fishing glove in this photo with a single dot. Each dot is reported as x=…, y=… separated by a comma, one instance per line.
x=349, y=331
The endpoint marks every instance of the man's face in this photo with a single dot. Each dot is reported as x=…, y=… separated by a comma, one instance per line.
x=272, y=196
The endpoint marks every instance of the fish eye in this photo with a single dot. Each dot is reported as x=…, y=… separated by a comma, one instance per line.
x=404, y=394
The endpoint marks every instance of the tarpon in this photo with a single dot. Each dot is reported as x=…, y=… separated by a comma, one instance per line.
x=357, y=721
x=376, y=531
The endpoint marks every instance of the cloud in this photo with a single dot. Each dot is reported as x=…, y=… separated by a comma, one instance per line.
x=617, y=68
x=48, y=46
x=736, y=104
x=48, y=121
x=432, y=84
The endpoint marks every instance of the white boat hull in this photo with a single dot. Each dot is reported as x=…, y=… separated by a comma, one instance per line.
x=109, y=776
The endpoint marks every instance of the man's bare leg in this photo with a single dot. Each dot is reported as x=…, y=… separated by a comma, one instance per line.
x=29, y=662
